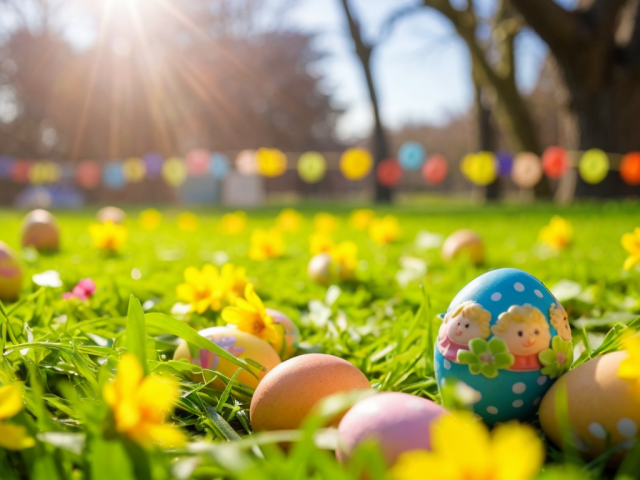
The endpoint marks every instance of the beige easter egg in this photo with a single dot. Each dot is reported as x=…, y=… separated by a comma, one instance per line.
x=463, y=242
x=40, y=230
x=111, y=214
x=600, y=405
x=10, y=274
x=240, y=344
x=288, y=343
x=289, y=392
x=319, y=268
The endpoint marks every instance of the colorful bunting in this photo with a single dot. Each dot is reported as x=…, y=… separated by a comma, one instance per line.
x=388, y=172
x=219, y=165
x=197, y=161
x=527, y=170
x=630, y=168
x=88, y=174
x=594, y=166
x=271, y=162
x=555, y=162
x=246, y=162
x=112, y=175
x=411, y=156
x=153, y=163
x=505, y=163
x=312, y=167
x=355, y=163
x=480, y=168
x=435, y=169
x=174, y=171
x=134, y=169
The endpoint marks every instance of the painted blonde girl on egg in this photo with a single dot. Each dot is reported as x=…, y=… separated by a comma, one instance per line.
x=461, y=325
x=560, y=321
x=526, y=332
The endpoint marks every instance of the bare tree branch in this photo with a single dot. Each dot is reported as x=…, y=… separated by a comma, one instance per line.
x=557, y=27
x=392, y=20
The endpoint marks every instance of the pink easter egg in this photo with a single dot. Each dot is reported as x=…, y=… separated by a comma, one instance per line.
x=399, y=422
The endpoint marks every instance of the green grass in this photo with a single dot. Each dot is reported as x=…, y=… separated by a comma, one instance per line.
x=67, y=350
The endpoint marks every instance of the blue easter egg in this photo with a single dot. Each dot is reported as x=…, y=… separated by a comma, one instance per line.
x=411, y=156
x=506, y=336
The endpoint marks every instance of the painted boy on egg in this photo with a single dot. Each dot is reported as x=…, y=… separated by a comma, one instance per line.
x=526, y=332
x=461, y=325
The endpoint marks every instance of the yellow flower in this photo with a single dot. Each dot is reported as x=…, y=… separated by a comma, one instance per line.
x=463, y=449
x=265, y=244
x=345, y=256
x=203, y=289
x=108, y=236
x=558, y=234
x=141, y=404
x=384, y=230
x=233, y=223
x=150, y=219
x=361, y=219
x=631, y=243
x=188, y=222
x=289, y=220
x=630, y=367
x=320, y=242
x=12, y=437
x=234, y=280
x=325, y=222
x=250, y=315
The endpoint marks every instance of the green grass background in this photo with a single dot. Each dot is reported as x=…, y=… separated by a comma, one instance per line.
x=384, y=329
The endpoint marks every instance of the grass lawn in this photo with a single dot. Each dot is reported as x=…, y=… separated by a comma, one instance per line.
x=69, y=349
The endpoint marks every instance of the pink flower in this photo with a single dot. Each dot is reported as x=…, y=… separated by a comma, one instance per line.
x=82, y=291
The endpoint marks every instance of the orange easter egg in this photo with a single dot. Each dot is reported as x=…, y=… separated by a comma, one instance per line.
x=40, y=230
x=463, y=242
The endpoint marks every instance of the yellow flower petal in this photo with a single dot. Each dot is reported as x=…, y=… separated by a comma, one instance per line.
x=15, y=437
x=166, y=435
x=517, y=452
x=631, y=262
x=11, y=401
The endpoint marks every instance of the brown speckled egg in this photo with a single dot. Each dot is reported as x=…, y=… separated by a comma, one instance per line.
x=602, y=408
x=288, y=392
x=10, y=274
x=463, y=242
x=111, y=214
x=40, y=230
x=240, y=344
x=319, y=268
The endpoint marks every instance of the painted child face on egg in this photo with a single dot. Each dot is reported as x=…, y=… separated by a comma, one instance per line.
x=507, y=337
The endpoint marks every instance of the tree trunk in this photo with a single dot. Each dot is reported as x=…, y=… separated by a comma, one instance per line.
x=486, y=138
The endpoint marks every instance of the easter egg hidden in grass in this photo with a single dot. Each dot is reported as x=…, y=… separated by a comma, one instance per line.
x=40, y=231
x=237, y=343
x=290, y=336
x=10, y=274
x=508, y=338
x=287, y=394
x=397, y=422
x=463, y=243
x=319, y=268
x=602, y=411
x=111, y=214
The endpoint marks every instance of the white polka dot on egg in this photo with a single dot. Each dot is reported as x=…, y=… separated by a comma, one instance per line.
x=496, y=296
x=542, y=380
x=517, y=403
x=518, y=388
x=597, y=430
x=492, y=410
x=538, y=293
x=447, y=364
x=627, y=427
x=537, y=401
x=519, y=287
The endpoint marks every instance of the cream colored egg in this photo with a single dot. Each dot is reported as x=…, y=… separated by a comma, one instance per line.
x=40, y=230
x=600, y=406
x=288, y=342
x=289, y=392
x=111, y=214
x=10, y=274
x=237, y=343
x=319, y=268
x=461, y=243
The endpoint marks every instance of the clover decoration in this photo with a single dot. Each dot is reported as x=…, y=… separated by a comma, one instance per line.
x=558, y=359
x=486, y=357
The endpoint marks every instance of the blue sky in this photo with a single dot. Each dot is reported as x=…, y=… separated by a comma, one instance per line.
x=422, y=69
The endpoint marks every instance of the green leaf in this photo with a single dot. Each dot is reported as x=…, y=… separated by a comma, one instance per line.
x=478, y=346
x=504, y=360
x=547, y=357
x=168, y=325
x=136, y=332
x=489, y=370
x=497, y=345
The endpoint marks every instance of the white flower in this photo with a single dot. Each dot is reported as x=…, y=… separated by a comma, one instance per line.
x=50, y=278
x=427, y=240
